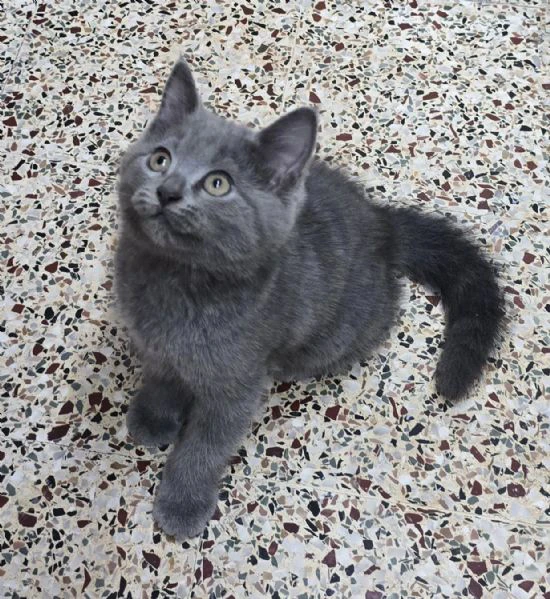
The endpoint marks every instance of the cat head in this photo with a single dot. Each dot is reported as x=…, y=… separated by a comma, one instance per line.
x=210, y=192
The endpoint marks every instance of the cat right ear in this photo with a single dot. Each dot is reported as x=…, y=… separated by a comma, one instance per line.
x=286, y=146
x=180, y=97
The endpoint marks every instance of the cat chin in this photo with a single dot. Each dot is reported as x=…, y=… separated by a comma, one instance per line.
x=162, y=232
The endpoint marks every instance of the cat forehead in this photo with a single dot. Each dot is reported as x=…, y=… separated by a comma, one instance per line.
x=201, y=133
x=200, y=127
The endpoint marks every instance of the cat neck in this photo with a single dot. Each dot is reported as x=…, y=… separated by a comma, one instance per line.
x=149, y=258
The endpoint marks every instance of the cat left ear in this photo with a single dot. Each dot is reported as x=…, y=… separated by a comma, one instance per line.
x=287, y=144
x=180, y=96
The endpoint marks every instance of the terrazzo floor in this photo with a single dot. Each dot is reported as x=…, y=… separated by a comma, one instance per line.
x=362, y=486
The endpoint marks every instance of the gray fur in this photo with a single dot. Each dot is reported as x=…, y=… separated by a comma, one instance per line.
x=291, y=275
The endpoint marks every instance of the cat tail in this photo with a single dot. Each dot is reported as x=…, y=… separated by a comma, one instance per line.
x=433, y=252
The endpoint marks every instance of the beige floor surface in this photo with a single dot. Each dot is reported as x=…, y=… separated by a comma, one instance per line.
x=362, y=486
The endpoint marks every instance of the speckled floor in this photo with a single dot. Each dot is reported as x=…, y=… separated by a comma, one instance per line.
x=363, y=486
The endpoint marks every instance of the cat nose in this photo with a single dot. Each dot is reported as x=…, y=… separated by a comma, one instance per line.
x=169, y=192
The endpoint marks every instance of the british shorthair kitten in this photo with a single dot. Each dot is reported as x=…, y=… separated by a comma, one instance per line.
x=242, y=259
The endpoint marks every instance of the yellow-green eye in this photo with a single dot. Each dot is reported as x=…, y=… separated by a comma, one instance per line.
x=217, y=183
x=160, y=160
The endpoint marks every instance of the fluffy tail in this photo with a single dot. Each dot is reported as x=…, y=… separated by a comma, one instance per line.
x=433, y=252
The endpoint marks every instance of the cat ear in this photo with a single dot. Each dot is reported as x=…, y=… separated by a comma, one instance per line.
x=287, y=144
x=180, y=96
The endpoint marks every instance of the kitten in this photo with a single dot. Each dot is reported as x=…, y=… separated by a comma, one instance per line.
x=242, y=259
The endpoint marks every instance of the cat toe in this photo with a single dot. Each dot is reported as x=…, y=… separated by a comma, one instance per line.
x=180, y=519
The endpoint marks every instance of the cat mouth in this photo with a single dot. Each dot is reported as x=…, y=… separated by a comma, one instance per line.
x=166, y=222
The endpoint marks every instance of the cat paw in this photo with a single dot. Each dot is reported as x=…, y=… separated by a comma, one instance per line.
x=182, y=519
x=150, y=429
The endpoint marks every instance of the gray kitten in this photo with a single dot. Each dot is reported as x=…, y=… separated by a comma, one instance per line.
x=242, y=259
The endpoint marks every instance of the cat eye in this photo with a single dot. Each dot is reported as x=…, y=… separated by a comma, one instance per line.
x=217, y=183
x=160, y=160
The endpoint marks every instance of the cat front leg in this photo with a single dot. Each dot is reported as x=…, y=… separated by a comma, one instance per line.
x=188, y=493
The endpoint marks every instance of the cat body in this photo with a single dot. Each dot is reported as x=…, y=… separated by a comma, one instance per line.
x=298, y=314
x=242, y=259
